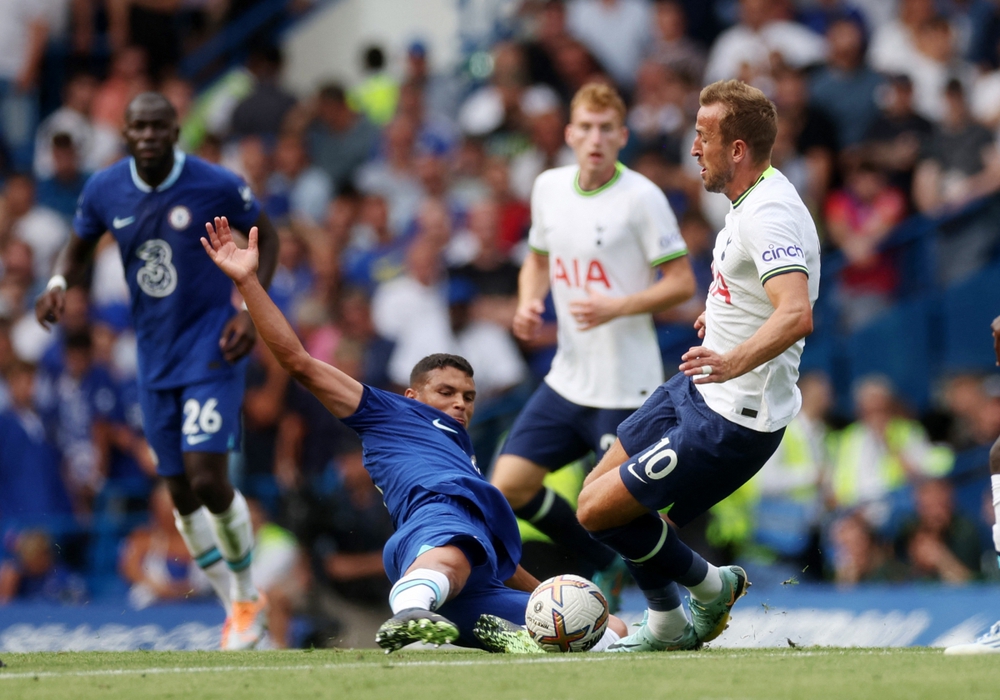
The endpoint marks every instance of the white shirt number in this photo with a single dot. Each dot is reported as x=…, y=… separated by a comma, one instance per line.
x=200, y=418
x=158, y=277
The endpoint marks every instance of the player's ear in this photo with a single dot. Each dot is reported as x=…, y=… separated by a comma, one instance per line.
x=740, y=150
x=410, y=393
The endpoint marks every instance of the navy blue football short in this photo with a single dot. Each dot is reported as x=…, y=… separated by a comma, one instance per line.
x=552, y=431
x=203, y=417
x=686, y=457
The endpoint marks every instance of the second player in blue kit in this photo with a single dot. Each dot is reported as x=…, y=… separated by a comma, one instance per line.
x=192, y=340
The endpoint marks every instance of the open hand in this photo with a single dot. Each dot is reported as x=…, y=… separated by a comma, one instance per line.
x=238, y=264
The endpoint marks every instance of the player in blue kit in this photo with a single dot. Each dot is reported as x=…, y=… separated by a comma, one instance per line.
x=191, y=339
x=455, y=552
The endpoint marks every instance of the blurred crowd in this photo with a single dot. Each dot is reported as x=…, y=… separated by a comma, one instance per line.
x=402, y=205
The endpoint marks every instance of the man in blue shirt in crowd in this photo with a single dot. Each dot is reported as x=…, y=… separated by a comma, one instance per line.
x=191, y=339
x=455, y=553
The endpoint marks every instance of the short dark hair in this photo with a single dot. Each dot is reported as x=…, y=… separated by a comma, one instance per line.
x=438, y=360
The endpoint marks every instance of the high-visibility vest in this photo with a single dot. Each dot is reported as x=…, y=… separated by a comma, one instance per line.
x=901, y=433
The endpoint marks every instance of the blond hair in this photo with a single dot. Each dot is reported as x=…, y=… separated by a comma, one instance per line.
x=748, y=116
x=598, y=97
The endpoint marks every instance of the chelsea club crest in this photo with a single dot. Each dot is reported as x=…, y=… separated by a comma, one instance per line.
x=179, y=217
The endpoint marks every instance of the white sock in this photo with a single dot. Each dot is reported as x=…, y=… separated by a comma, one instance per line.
x=667, y=625
x=196, y=531
x=609, y=638
x=995, y=483
x=710, y=588
x=421, y=588
x=234, y=534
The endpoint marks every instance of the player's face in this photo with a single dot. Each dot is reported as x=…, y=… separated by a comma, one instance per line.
x=714, y=156
x=596, y=137
x=150, y=133
x=449, y=390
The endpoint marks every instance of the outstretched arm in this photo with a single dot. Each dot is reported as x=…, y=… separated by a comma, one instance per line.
x=338, y=392
x=239, y=335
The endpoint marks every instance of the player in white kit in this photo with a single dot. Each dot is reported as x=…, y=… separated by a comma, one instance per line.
x=706, y=431
x=606, y=243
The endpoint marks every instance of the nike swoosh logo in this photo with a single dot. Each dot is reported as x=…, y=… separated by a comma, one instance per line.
x=198, y=439
x=631, y=469
x=122, y=223
x=438, y=424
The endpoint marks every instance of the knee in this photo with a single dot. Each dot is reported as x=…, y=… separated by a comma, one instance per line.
x=518, y=483
x=457, y=573
x=212, y=491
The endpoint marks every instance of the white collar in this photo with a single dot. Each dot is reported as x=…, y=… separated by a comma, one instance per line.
x=175, y=172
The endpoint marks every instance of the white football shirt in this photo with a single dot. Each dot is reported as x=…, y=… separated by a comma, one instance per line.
x=610, y=240
x=768, y=232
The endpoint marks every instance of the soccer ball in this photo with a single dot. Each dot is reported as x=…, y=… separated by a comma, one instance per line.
x=567, y=613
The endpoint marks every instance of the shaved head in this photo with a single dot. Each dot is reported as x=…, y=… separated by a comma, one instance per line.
x=151, y=102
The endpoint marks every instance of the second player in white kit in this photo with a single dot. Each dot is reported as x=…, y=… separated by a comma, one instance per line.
x=606, y=244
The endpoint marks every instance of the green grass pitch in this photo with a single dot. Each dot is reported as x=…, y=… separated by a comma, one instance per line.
x=796, y=674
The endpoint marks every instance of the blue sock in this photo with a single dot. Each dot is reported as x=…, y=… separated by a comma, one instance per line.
x=554, y=516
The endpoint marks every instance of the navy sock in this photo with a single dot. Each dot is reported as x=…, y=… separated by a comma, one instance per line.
x=663, y=599
x=654, y=553
x=554, y=516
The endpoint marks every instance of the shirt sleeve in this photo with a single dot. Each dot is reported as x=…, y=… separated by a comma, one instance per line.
x=239, y=201
x=375, y=410
x=88, y=223
x=657, y=228
x=537, y=240
x=773, y=241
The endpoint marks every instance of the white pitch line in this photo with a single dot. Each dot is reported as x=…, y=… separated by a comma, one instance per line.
x=553, y=659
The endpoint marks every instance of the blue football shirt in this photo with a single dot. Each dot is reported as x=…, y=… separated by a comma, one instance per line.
x=180, y=300
x=412, y=450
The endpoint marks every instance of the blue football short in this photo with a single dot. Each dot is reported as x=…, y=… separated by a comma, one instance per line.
x=443, y=520
x=203, y=417
x=552, y=431
x=686, y=457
